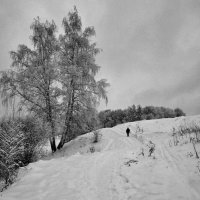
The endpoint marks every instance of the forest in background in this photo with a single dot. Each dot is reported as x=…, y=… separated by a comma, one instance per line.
x=110, y=118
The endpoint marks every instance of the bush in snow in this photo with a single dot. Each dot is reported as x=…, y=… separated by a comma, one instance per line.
x=11, y=150
x=190, y=131
x=138, y=129
x=21, y=141
x=96, y=136
x=92, y=149
x=35, y=137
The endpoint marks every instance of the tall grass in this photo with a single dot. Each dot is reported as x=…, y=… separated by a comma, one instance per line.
x=189, y=132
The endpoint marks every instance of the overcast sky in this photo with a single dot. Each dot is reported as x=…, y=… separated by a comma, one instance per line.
x=151, y=48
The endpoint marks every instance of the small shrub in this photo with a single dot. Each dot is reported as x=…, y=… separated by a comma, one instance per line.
x=128, y=163
x=189, y=154
x=138, y=129
x=142, y=152
x=34, y=139
x=192, y=130
x=152, y=147
x=96, y=136
x=92, y=149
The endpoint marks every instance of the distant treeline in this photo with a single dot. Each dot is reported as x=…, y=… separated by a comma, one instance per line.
x=110, y=118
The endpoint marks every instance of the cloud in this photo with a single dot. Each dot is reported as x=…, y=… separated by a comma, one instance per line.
x=184, y=94
x=150, y=48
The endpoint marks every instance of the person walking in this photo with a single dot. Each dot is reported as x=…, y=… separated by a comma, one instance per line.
x=128, y=131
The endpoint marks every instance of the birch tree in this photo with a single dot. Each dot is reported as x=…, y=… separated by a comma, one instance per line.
x=33, y=74
x=81, y=91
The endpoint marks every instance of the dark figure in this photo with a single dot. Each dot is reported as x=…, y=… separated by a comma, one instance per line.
x=127, y=132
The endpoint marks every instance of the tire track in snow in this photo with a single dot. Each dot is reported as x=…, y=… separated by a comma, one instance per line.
x=178, y=173
x=108, y=168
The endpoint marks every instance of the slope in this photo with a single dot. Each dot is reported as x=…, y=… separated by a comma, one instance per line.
x=116, y=170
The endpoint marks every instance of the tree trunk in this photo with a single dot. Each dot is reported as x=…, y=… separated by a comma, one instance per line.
x=70, y=106
x=53, y=144
x=67, y=125
x=66, y=131
x=52, y=138
x=68, y=121
x=51, y=123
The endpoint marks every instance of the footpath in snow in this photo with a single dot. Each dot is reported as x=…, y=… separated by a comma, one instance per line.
x=117, y=170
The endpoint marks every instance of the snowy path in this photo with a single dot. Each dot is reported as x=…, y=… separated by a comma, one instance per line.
x=104, y=175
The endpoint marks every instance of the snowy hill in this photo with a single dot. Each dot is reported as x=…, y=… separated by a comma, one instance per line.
x=117, y=169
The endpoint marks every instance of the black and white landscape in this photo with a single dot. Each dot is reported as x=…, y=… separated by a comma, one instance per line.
x=99, y=99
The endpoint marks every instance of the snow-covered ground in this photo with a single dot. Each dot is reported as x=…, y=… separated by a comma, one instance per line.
x=117, y=170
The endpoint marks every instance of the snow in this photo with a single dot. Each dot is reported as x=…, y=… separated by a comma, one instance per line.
x=117, y=170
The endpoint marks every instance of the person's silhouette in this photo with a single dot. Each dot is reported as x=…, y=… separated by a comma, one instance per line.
x=127, y=131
